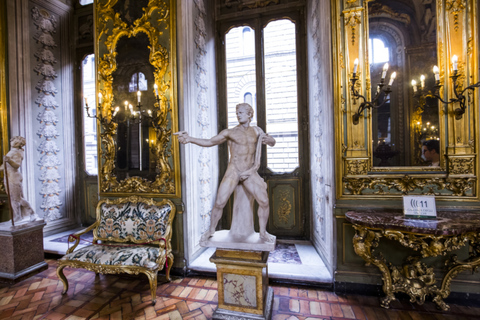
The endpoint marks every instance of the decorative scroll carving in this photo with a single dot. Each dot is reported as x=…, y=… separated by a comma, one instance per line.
x=110, y=28
x=352, y=19
x=46, y=25
x=356, y=167
x=455, y=7
x=461, y=165
x=250, y=4
x=410, y=185
x=285, y=209
x=380, y=10
x=414, y=277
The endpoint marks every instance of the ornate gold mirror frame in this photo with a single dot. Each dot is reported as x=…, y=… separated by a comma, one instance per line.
x=158, y=23
x=3, y=89
x=457, y=176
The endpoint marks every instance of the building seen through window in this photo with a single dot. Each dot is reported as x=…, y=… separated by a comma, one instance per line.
x=280, y=81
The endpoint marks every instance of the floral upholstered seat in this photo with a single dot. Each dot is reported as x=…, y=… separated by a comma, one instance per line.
x=131, y=235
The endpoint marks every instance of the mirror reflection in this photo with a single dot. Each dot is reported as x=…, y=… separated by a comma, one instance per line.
x=134, y=99
x=402, y=38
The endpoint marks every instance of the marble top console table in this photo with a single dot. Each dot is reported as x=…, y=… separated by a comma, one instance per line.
x=429, y=237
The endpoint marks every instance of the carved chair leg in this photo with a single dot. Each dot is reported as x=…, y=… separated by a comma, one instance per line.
x=62, y=277
x=170, y=264
x=152, y=279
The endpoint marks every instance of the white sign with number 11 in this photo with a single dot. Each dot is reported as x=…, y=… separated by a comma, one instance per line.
x=419, y=206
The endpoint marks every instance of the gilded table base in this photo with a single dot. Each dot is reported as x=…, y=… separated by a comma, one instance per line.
x=414, y=277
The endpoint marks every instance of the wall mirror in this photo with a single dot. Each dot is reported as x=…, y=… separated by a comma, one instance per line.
x=403, y=34
x=136, y=101
x=380, y=147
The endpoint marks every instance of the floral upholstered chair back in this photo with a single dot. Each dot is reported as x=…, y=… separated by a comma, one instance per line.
x=134, y=219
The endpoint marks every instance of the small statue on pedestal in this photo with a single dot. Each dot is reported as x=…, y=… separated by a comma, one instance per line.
x=21, y=210
x=244, y=142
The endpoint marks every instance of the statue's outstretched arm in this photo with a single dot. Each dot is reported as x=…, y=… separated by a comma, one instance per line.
x=220, y=138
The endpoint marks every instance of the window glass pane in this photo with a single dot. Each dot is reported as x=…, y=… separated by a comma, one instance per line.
x=85, y=2
x=240, y=48
x=281, y=95
x=89, y=124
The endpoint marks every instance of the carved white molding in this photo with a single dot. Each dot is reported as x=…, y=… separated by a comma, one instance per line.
x=197, y=116
x=49, y=162
x=321, y=127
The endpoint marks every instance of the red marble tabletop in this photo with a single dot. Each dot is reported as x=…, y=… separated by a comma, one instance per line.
x=446, y=223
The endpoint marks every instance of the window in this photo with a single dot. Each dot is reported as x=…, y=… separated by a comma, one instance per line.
x=138, y=82
x=378, y=52
x=89, y=124
x=280, y=82
x=85, y=2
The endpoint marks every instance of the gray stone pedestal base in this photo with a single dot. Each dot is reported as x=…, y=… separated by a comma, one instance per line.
x=21, y=250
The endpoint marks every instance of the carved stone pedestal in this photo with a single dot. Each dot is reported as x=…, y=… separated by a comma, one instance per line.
x=243, y=291
x=21, y=250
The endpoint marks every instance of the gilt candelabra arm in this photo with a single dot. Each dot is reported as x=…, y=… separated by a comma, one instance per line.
x=459, y=95
x=368, y=104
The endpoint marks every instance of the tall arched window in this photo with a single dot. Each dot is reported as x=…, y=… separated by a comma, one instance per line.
x=378, y=51
x=248, y=43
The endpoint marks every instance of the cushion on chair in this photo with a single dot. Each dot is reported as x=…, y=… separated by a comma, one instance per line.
x=141, y=256
x=138, y=220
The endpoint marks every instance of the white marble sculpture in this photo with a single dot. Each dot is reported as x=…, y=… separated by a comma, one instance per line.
x=241, y=178
x=22, y=211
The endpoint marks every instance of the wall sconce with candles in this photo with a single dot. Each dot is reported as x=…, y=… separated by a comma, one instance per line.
x=459, y=94
x=375, y=102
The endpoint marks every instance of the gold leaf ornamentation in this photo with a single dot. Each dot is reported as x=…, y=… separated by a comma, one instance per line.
x=285, y=210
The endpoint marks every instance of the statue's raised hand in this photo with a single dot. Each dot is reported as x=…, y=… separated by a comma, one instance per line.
x=183, y=137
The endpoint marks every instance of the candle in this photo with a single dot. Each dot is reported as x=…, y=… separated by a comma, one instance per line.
x=422, y=81
x=436, y=71
x=126, y=105
x=378, y=89
x=156, y=89
x=414, y=85
x=131, y=109
x=385, y=69
x=355, y=66
x=86, y=102
x=139, y=94
x=116, y=110
x=149, y=112
x=455, y=62
x=392, y=77
x=99, y=98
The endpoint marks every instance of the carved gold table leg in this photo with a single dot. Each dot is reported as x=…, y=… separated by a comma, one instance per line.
x=455, y=267
x=363, y=241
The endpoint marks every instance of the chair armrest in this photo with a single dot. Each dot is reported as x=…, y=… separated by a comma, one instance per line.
x=77, y=235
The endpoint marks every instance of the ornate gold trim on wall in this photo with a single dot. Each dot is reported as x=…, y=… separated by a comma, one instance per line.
x=456, y=179
x=3, y=89
x=157, y=22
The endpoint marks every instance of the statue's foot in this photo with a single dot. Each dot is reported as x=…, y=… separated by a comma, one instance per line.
x=207, y=234
x=267, y=237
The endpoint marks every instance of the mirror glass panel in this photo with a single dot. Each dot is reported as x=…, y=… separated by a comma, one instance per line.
x=135, y=133
x=403, y=34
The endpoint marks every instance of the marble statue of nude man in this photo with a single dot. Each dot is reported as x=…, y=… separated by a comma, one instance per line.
x=242, y=168
x=13, y=160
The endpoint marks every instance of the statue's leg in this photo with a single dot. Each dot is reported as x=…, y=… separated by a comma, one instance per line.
x=258, y=188
x=225, y=189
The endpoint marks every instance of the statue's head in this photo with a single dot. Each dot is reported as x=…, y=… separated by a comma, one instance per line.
x=17, y=142
x=246, y=107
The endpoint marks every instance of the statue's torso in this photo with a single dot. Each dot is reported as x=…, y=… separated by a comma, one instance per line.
x=242, y=144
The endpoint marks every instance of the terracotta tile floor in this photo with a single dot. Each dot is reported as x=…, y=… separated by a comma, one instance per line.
x=128, y=297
